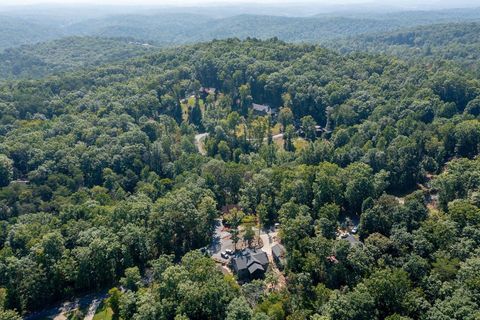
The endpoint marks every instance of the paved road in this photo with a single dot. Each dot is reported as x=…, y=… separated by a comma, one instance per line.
x=90, y=301
x=199, y=138
x=199, y=141
x=350, y=238
x=274, y=138
x=93, y=309
x=277, y=136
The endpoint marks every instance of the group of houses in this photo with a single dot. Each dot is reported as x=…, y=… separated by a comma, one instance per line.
x=258, y=109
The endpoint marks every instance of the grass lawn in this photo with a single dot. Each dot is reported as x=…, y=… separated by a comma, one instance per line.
x=277, y=129
x=240, y=130
x=249, y=221
x=190, y=103
x=279, y=142
x=300, y=144
x=103, y=313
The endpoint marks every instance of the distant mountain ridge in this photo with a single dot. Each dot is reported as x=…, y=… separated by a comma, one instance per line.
x=170, y=28
x=458, y=42
x=67, y=54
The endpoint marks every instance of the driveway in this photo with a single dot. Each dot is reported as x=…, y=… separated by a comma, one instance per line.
x=222, y=240
x=92, y=309
x=268, y=238
x=90, y=301
x=199, y=143
x=351, y=239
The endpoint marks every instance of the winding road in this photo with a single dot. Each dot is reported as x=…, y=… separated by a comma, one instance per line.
x=199, y=141
x=90, y=301
x=199, y=138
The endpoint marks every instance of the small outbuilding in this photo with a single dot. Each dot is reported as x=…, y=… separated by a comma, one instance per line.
x=278, y=253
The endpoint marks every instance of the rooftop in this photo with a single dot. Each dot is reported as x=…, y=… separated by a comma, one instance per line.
x=278, y=250
x=252, y=260
x=261, y=108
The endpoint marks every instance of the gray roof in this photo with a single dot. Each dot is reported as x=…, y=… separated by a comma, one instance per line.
x=248, y=258
x=254, y=267
x=278, y=250
x=261, y=108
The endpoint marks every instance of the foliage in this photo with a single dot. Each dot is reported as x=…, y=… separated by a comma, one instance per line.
x=102, y=184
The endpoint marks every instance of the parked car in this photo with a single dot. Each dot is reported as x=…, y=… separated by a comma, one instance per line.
x=229, y=251
x=355, y=230
x=224, y=255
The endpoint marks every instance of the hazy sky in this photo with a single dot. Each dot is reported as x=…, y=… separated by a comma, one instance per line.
x=331, y=3
x=179, y=2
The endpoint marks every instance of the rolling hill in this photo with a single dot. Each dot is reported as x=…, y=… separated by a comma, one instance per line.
x=66, y=54
x=167, y=28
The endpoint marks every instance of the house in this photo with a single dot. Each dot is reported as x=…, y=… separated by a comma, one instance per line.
x=278, y=253
x=263, y=109
x=332, y=259
x=319, y=130
x=250, y=264
x=227, y=208
x=204, y=92
x=20, y=182
x=260, y=108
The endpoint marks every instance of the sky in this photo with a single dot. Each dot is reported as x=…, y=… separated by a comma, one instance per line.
x=331, y=3
x=181, y=2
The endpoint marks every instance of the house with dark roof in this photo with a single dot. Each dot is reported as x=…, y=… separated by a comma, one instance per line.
x=278, y=253
x=250, y=264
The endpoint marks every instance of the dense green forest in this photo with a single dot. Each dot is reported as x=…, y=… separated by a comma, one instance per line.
x=102, y=183
x=15, y=31
x=439, y=43
x=457, y=42
x=66, y=54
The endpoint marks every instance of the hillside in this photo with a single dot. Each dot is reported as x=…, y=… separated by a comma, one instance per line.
x=66, y=54
x=102, y=186
x=458, y=42
x=178, y=29
x=167, y=28
x=16, y=31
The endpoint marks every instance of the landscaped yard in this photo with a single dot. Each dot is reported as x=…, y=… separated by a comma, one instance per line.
x=190, y=103
x=103, y=313
x=300, y=144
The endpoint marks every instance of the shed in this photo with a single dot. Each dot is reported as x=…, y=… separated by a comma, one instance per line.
x=278, y=253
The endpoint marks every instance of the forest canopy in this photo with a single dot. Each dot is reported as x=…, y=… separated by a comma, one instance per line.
x=115, y=169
